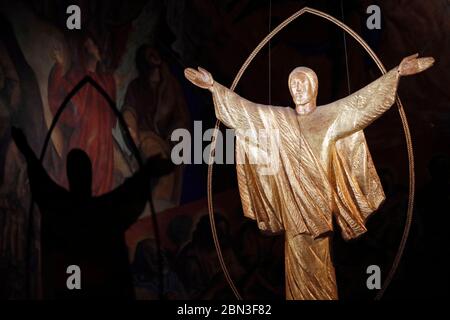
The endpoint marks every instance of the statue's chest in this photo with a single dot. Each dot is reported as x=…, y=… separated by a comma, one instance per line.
x=315, y=136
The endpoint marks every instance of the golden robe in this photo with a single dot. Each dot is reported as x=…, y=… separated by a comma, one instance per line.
x=324, y=169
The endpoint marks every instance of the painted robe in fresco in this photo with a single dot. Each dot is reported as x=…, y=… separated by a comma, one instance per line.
x=89, y=121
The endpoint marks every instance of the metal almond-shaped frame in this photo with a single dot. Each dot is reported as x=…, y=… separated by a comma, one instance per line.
x=403, y=118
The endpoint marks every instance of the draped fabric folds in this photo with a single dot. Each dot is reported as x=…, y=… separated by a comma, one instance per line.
x=296, y=171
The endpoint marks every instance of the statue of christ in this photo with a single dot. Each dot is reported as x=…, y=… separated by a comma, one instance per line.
x=325, y=167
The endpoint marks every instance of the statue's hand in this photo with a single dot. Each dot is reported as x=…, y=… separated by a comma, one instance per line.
x=200, y=78
x=412, y=65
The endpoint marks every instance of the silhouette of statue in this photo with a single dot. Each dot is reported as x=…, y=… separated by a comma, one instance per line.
x=80, y=229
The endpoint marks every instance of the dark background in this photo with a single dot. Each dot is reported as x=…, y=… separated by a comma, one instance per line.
x=219, y=35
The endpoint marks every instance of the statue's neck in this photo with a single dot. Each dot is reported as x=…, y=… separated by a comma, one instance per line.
x=304, y=109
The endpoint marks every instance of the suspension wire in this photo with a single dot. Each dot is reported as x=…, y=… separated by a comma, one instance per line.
x=345, y=49
x=269, y=44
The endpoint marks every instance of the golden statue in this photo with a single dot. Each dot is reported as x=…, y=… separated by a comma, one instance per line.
x=325, y=167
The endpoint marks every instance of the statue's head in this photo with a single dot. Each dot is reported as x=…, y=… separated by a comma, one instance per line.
x=303, y=85
x=79, y=173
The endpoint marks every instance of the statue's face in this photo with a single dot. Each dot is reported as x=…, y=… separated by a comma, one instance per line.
x=301, y=88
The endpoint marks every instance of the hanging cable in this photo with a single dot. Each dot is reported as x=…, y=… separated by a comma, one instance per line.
x=270, y=66
x=345, y=49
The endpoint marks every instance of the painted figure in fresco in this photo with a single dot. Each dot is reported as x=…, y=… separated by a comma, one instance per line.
x=325, y=167
x=197, y=264
x=24, y=110
x=145, y=273
x=88, y=121
x=154, y=106
x=78, y=228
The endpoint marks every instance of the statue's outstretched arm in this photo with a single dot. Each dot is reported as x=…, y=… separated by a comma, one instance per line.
x=231, y=109
x=360, y=109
